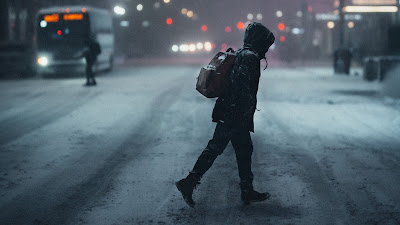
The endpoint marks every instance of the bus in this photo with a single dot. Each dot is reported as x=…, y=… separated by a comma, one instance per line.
x=60, y=39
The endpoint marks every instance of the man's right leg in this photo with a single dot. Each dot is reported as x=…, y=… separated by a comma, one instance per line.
x=215, y=147
x=88, y=71
x=241, y=141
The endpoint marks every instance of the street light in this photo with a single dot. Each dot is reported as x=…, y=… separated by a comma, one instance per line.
x=145, y=23
x=124, y=23
x=119, y=10
x=330, y=24
x=139, y=7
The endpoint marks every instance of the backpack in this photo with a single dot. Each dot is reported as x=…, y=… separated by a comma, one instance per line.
x=95, y=48
x=212, y=79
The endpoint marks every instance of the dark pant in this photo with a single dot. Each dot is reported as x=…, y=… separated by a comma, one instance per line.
x=243, y=146
x=89, y=70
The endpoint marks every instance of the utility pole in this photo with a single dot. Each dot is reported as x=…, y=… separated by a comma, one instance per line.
x=341, y=24
x=305, y=38
x=397, y=13
x=17, y=27
x=342, y=56
x=4, y=21
x=31, y=7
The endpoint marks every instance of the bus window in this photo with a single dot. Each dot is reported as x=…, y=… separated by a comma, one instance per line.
x=72, y=27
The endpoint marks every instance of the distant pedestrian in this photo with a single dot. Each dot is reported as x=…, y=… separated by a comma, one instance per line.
x=92, y=51
x=233, y=112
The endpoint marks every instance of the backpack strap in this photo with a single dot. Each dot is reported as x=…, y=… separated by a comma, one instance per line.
x=230, y=50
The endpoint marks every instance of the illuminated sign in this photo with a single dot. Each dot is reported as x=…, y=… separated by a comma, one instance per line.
x=329, y=17
x=368, y=9
x=73, y=16
x=51, y=18
x=374, y=2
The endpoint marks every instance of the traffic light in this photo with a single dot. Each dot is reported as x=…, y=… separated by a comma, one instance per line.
x=204, y=28
x=281, y=26
x=169, y=21
x=240, y=25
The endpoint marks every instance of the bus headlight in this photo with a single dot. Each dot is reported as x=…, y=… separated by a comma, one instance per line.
x=43, y=61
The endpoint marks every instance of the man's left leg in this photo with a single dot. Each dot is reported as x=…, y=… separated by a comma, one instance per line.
x=91, y=74
x=214, y=148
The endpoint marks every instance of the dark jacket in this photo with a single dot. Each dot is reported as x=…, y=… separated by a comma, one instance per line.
x=92, y=49
x=238, y=104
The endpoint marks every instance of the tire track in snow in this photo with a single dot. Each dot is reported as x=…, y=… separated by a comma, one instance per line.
x=43, y=113
x=69, y=201
x=295, y=155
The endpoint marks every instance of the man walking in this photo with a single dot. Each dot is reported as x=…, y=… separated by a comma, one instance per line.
x=93, y=50
x=233, y=113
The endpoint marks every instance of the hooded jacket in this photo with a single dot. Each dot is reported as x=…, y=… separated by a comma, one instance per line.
x=238, y=104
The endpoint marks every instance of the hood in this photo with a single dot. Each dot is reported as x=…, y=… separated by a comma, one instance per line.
x=258, y=38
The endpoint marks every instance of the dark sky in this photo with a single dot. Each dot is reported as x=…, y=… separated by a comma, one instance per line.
x=217, y=14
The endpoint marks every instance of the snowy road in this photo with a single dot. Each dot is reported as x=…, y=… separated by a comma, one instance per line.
x=327, y=148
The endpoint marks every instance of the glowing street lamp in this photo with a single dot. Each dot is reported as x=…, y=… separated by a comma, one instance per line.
x=119, y=10
x=330, y=25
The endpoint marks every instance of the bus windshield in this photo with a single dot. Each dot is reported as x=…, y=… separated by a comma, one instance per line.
x=62, y=28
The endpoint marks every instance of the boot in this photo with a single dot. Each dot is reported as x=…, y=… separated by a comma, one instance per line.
x=186, y=187
x=250, y=195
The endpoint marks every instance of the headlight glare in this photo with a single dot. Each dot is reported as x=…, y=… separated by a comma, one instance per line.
x=43, y=61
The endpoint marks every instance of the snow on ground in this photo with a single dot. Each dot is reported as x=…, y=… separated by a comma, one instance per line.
x=325, y=146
